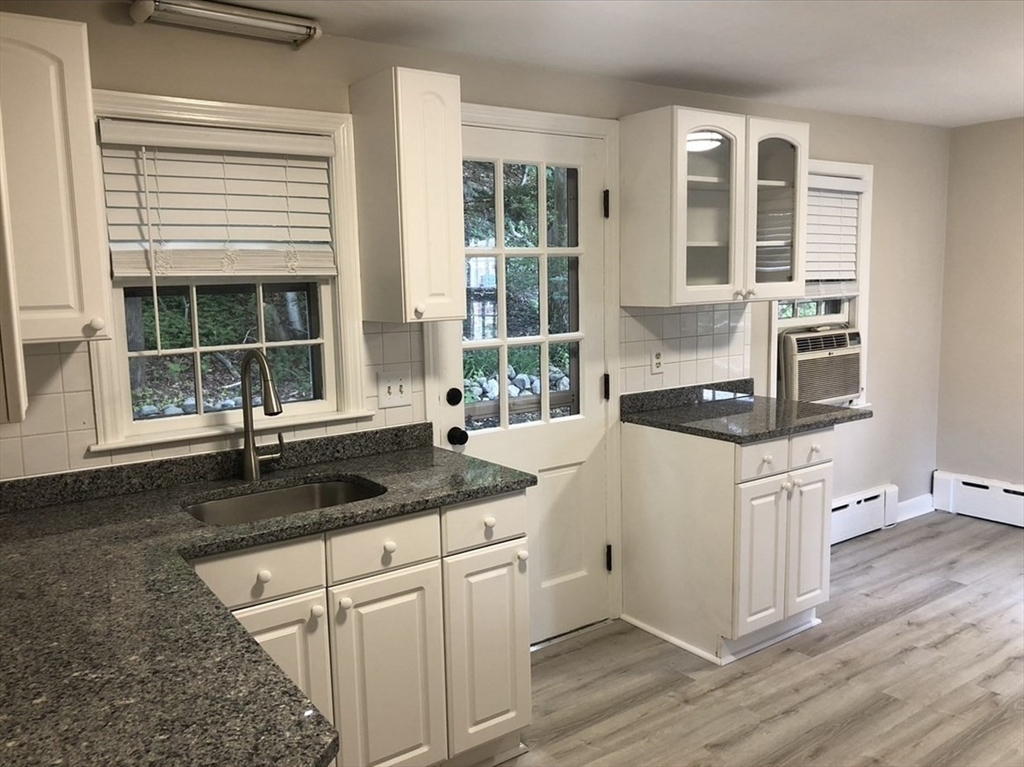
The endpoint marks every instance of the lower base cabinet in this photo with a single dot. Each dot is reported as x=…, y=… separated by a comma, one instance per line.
x=388, y=650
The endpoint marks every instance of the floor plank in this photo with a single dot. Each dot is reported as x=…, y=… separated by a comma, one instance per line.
x=919, y=661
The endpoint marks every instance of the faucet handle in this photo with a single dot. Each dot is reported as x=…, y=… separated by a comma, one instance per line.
x=274, y=455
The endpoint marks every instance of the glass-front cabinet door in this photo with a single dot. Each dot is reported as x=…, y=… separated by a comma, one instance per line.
x=710, y=202
x=777, y=155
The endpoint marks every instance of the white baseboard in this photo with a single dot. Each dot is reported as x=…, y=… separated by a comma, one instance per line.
x=990, y=499
x=914, y=507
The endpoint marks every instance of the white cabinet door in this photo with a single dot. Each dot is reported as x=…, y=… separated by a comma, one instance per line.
x=760, y=563
x=55, y=222
x=488, y=643
x=294, y=633
x=408, y=135
x=388, y=651
x=13, y=387
x=810, y=514
x=777, y=156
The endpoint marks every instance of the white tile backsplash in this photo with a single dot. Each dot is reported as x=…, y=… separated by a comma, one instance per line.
x=699, y=344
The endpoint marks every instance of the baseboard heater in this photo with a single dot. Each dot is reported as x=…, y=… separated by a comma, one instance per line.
x=979, y=497
x=864, y=512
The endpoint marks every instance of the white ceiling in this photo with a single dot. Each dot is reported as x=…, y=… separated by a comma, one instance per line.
x=940, y=62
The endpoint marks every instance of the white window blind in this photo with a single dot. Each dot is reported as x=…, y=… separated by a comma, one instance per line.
x=216, y=201
x=833, y=227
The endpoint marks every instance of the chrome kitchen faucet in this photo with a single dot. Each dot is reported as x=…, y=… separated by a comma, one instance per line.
x=251, y=460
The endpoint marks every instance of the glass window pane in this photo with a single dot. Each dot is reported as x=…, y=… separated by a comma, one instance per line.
x=832, y=306
x=563, y=207
x=481, y=388
x=478, y=203
x=222, y=380
x=521, y=204
x=564, y=379
x=563, y=294
x=709, y=207
x=175, y=318
x=227, y=315
x=806, y=308
x=290, y=312
x=522, y=296
x=481, y=298
x=785, y=310
x=776, y=201
x=523, y=384
x=297, y=372
x=162, y=386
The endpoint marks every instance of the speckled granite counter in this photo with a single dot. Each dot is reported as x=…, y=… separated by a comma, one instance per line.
x=115, y=653
x=731, y=412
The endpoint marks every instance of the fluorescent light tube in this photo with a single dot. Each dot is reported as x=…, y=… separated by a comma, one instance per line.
x=233, y=19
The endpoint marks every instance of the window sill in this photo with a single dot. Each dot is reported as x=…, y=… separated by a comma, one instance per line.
x=261, y=426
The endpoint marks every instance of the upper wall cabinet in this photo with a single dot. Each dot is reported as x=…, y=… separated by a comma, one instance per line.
x=408, y=146
x=712, y=207
x=55, y=225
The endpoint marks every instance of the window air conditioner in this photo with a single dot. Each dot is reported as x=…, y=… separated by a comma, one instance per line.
x=820, y=365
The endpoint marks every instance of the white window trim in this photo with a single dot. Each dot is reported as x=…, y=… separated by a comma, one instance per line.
x=115, y=429
x=851, y=175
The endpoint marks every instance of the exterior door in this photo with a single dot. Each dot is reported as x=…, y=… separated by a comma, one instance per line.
x=530, y=356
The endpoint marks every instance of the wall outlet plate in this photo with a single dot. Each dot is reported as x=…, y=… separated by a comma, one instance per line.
x=657, y=365
x=394, y=389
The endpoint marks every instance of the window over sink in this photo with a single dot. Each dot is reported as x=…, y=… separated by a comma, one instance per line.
x=231, y=227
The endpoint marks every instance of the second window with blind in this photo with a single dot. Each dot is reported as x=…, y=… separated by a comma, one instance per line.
x=226, y=239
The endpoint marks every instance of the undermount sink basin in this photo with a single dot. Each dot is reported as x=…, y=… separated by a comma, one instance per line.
x=283, y=501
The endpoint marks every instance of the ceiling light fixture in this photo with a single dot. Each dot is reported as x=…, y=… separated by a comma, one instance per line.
x=703, y=140
x=221, y=17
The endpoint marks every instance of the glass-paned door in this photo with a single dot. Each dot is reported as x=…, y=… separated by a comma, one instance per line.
x=530, y=356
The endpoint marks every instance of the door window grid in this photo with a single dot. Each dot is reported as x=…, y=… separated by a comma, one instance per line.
x=503, y=358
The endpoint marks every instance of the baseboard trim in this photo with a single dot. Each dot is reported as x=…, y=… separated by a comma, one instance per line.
x=915, y=507
x=980, y=497
x=672, y=640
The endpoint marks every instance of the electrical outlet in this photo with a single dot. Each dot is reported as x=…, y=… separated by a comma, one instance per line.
x=656, y=362
x=394, y=389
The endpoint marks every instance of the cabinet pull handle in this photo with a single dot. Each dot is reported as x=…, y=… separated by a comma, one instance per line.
x=767, y=458
x=97, y=323
x=490, y=522
x=738, y=295
x=264, y=576
x=523, y=555
x=798, y=483
x=815, y=448
x=750, y=293
x=419, y=310
x=390, y=547
x=345, y=603
x=317, y=611
x=787, y=486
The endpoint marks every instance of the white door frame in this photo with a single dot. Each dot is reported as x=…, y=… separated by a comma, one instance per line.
x=477, y=115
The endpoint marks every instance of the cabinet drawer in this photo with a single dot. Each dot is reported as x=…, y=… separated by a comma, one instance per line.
x=812, y=447
x=264, y=572
x=762, y=459
x=481, y=522
x=383, y=546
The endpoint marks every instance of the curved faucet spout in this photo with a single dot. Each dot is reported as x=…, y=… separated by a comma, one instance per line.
x=271, y=406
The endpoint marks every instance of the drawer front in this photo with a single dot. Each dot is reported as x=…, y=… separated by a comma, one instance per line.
x=482, y=522
x=762, y=459
x=264, y=572
x=811, y=447
x=383, y=546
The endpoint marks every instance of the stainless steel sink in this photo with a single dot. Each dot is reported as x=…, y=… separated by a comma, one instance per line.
x=286, y=500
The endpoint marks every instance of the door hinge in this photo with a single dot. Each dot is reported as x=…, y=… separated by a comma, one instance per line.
x=606, y=383
x=607, y=203
x=608, y=557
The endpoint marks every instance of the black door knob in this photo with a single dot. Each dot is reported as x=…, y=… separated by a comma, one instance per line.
x=457, y=436
x=454, y=396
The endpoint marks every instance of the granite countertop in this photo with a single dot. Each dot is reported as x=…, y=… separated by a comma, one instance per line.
x=115, y=653
x=731, y=412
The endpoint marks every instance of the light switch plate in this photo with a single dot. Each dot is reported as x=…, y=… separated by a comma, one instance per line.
x=394, y=389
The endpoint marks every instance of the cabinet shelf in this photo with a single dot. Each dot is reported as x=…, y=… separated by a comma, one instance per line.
x=708, y=244
x=770, y=182
x=708, y=183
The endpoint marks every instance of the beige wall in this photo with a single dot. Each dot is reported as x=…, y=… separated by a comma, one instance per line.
x=910, y=162
x=981, y=382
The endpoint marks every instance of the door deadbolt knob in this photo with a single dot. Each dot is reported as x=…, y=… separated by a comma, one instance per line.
x=457, y=436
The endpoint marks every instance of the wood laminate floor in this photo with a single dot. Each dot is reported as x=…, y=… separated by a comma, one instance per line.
x=919, y=660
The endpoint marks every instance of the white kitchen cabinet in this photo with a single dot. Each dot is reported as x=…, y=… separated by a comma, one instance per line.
x=13, y=386
x=293, y=631
x=389, y=675
x=713, y=207
x=56, y=221
x=408, y=148
x=488, y=643
x=725, y=547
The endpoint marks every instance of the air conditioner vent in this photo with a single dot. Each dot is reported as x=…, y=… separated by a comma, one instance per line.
x=821, y=342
